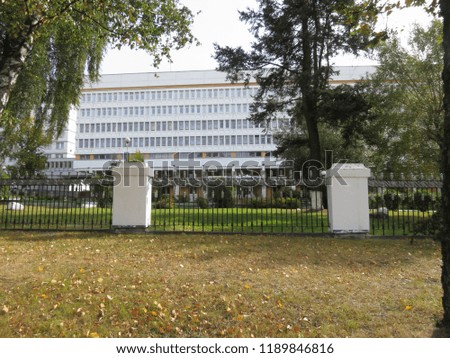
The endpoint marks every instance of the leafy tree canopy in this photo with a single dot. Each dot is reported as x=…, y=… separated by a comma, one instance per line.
x=407, y=97
x=47, y=48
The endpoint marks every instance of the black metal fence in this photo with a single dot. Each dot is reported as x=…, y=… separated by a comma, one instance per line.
x=80, y=203
x=237, y=205
x=405, y=207
x=217, y=204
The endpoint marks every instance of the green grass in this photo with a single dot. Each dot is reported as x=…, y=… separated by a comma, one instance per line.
x=49, y=217
x=89, y=285
x=240, y=220
x=237, y=220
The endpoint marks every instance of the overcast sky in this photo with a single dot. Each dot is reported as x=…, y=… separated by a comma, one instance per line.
x=219, y=22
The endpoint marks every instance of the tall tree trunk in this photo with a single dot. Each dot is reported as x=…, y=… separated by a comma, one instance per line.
x=14, y=51
x=309, y=92
x=445, y=236
x=13, y=57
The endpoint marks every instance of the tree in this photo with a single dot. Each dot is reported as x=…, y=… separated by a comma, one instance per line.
x=46, y=47
x=445, y=236
x=444, y=9
x=407, y=100
x=291, y=57
x=28, y=154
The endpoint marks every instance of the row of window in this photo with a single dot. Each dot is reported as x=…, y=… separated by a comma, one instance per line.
x=58, y=165
x=195, y=155
x=168, y=95
x=164, y=126
x=182, y=141
x=165, y=110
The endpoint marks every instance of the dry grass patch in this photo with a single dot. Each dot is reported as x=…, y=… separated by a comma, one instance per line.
x=89, y=285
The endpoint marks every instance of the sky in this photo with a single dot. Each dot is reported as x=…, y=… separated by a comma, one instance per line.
x=218, y=22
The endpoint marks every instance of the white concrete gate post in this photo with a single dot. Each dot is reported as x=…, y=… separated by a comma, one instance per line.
x=132, y=195
x=348, y=198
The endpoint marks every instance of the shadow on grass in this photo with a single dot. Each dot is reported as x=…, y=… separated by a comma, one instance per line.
x=441, y=330
x=38, y=235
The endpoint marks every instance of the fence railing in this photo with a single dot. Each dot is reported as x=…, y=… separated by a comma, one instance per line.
x=56, y=204
x=237, y=205
x=404, y=207
x=227, y=205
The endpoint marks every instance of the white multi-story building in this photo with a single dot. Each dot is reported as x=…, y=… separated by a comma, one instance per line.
x=61, y=153
x=171, y=117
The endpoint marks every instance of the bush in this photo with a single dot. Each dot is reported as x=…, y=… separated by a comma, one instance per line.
x=202, y=203
x=221, y=196
x=423, y=201
x=392, y=201
x=164, y=203
x=429, y=226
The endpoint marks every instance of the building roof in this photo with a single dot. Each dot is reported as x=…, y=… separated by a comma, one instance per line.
x=197, y=78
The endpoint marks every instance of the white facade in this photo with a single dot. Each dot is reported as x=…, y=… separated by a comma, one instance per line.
x=172, y=116
x=61, y=153
x=169, y=117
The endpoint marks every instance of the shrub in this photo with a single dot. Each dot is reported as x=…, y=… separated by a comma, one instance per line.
x=202, y=203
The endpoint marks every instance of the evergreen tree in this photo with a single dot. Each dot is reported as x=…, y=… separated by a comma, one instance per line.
x=290, y=58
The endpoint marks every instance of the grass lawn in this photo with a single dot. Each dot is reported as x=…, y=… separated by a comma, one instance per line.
x=103, y=285
x=247, y=220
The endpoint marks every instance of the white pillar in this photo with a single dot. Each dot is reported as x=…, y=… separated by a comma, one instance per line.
x=132, y=196
x=348, y=198
x=316, y=200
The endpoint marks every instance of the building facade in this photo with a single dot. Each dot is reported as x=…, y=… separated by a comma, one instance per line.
x=170, y=118
x=176, y=119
